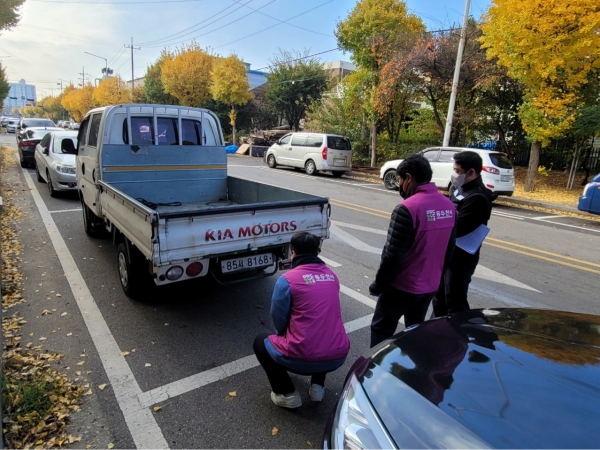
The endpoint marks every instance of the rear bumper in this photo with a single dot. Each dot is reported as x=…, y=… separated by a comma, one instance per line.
x=505, y=193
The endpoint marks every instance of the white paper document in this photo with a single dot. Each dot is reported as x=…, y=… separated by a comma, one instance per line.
x=471, y=242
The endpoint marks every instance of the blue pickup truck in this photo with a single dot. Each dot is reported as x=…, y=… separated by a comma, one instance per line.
x=590, y=200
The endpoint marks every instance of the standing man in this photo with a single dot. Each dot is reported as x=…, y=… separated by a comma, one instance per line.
x=310, y=337
x=473, y=208
x=420, y=240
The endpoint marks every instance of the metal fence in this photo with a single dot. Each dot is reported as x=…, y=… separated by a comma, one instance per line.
x=258, y=150
x=559, y=157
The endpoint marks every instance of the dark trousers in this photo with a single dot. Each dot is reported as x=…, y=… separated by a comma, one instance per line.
x=278, y=376
x=451, y=297
x=393, y=304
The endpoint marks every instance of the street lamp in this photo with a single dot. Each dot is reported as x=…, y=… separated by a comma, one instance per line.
x=105, y=60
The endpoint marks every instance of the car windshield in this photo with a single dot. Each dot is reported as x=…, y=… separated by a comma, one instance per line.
x=501, y=160
x=61, y=144
x=38, y=123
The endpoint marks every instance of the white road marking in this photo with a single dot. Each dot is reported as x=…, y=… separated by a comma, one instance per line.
x=359, y=227
x=196, y=381
x=329, y=262
x=358, y=296
x=491, y=275
x=64, y=210
x=141, y=424
x=353, y=241
x=571, y=226
x=508, y=216
x=547, y=217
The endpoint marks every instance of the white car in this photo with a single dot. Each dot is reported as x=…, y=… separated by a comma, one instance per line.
x=498, y=174
x=53, y=163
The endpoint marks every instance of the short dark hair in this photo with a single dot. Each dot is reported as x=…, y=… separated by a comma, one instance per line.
x=469, y=160
x=418, y=167
x=305, y=243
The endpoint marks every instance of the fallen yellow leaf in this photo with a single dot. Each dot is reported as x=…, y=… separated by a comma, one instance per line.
x=64, y=314
x=101, y=386
x=111, y=445
x=233, y=394
x=124, y=353
x=80, y=363
x=157, y=408
x=274, y=431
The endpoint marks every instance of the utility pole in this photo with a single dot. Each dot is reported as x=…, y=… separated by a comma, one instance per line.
x=461, y=47
x=132, y=48
x=82, y=76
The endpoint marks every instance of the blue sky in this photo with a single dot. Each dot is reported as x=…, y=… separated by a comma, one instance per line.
x=51, y=40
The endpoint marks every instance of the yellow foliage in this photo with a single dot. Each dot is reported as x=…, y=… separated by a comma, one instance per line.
x=551, y=47
x=78, y=101
x=186, y=75
x=111, y=91
x=230, y=82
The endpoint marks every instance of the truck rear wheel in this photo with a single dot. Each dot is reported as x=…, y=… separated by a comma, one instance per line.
x=131, y=271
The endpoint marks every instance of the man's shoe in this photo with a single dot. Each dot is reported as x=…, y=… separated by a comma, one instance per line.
x=316, y=392
x=292, y=400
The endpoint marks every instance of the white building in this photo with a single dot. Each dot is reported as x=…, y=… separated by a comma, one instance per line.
x=20, y=94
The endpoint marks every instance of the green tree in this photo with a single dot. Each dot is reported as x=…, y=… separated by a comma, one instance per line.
x=230, y=85
x=153, y=85
x=9, y=14
x=551, y=47
x=4, y=86
x=295, y=82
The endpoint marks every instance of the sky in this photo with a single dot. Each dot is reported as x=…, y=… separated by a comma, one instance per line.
x=50, y=43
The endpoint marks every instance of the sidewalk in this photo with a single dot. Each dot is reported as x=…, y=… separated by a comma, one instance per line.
x=373, y=175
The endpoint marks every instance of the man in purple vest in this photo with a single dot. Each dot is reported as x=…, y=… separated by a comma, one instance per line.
x=420, y=242
x=310, y=337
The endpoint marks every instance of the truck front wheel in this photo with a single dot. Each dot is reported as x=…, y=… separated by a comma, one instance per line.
x=90, y=220
x=131, y=272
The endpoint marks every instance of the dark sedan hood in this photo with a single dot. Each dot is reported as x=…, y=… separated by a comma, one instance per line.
x=513, y=377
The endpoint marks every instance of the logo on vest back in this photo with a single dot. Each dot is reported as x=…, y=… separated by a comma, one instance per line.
x=312, y=279
x=433, y=215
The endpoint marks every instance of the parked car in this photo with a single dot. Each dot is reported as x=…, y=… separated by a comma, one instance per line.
x=507, y=378
x=5, y=118
x=27, y=140
x=28, y=122
x=590, y=200
x=498, y=173
x=12, y=124
x=55, y=161
x=314, y=152
x=74, y=126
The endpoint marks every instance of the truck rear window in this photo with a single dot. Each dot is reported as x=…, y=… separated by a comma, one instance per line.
x=501, y=160
x=338, y=143
x=142, y=130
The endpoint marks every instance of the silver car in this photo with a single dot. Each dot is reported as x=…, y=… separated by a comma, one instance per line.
x=12, y=124
x=55, y=161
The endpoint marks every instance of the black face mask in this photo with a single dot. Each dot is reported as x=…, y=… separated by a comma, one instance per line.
x=404, y=194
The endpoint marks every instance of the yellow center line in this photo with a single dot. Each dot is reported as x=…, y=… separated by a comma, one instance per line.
x=386, y=215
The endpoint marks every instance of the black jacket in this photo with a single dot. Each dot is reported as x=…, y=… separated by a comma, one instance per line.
x=473, y=206
x=400, y=238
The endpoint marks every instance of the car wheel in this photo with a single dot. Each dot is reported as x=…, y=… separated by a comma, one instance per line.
x=23, y=164
x=337, y=174
x=390, y=180
x=51, y=189
x=310, y=167
x=38, y=174
x=271, y=161
x=90, y=221
x=131, y=273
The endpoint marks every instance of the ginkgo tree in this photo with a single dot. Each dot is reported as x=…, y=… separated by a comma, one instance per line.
x=78, y=101
x=551, y=47
x=230, y=85
x=186, y=74
x=111, y=91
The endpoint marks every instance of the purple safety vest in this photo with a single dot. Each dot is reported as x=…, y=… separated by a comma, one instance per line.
x=316, y=331
x=433, y=219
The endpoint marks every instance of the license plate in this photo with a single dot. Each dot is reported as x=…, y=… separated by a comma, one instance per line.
x=339, y=162
x=247, y=262
x=506, y=178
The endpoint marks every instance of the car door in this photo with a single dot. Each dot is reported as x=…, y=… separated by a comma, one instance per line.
x=41, y=159
x=443, y=168
x=298, y=149
x=283, y=150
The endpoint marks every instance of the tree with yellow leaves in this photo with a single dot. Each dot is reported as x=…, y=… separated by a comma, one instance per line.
x=186, y=75
x=551, y=47
x=78, y=101
x=230, y=85
x=111, y=91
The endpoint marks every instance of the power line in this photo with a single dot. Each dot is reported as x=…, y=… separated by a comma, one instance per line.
x=304, y=57
x=119, y=2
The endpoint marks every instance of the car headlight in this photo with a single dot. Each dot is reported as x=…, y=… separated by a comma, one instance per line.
x=355, y=424
x=65, y=169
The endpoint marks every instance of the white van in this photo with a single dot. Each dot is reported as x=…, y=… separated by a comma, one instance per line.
x=314, y=152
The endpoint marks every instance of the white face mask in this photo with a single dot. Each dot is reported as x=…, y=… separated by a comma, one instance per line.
x=458, y=180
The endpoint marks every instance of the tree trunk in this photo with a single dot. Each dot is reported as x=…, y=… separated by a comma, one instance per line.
x=374, y=144
x=534, y=162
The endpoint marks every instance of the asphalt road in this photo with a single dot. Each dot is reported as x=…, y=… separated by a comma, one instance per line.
x=190, y=345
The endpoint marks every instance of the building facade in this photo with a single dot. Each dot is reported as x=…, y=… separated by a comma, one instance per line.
x=20, y=94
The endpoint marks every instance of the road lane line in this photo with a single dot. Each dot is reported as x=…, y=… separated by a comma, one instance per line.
x=571, y=226
x=198, y=380
x=329, y=262
x=359, y=227
x=64, y=210
x=141, y=424
x=353, y=241
x=547, y=217
x=562, y=263
x=568, y=258
x=508, y=216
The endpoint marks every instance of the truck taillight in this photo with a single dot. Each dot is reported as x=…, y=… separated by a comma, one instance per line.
x=491, y=170
x=174, y=273
x=194, y=269
x=324, y=153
